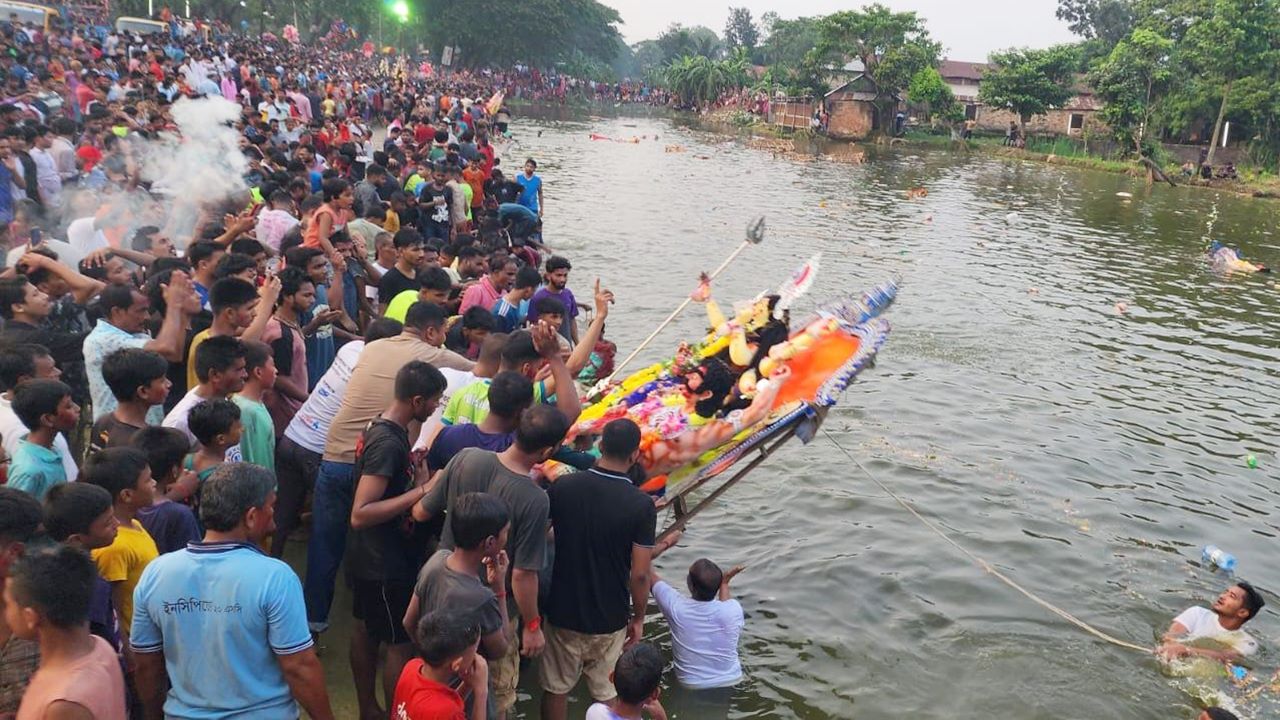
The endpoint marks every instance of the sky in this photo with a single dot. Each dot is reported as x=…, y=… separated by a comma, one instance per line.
x=967, y=30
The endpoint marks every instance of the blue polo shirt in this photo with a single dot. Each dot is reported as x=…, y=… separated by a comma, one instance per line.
x=221, y=613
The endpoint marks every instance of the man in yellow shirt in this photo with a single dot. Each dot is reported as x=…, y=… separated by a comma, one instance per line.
x=238, y=311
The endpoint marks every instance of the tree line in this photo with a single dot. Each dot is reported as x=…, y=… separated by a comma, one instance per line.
x=1163, y=70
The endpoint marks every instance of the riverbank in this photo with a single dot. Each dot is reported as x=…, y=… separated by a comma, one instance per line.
x=1251, y=183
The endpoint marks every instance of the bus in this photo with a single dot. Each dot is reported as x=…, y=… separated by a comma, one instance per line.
x=28, y=13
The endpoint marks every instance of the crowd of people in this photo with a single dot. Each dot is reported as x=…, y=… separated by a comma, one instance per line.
x=367, y=333
x=366, y=338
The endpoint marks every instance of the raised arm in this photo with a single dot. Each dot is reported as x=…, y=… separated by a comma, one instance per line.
x=267, y=297
x=83, y=288
x=582, y=351
x=171, y=335
x=546, y=340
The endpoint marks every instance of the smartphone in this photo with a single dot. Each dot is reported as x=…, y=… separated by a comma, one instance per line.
x=36, y=237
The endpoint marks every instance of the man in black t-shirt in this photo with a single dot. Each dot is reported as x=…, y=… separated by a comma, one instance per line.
x=382, y=560
x=434, y=201
x=410, y=248
x=501, y=189
x=604, y=528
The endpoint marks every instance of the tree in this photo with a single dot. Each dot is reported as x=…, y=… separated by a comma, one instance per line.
x=535, y=32
x=1231, y=42
x=1130, y=82
x=929, y=89
x=1029, y=82
x=740, y=30
x=788, y=41
x=1107, y=20
x=700, y=80
x=678, y=41
x=893, y=48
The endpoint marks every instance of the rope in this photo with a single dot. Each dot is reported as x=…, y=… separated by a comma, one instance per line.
x=986, y=565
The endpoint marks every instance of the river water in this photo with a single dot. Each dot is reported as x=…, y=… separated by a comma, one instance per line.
x=1085, y=452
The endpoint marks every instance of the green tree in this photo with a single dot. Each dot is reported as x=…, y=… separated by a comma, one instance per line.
x=537, y=32
x=1130, y=81
x=1107, y=20
x=1232, y=41
x=740, y=29
x=699, y=80
x=1029, y=82
x=929, y=89
x=678, y=41
x=892, y=47
x=786, y=43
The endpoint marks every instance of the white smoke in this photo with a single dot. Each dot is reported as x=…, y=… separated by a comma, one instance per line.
x=199, y=166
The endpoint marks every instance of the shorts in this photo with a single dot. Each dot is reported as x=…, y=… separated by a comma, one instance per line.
x=504, y=672
x=569, y=655
x=381, y=607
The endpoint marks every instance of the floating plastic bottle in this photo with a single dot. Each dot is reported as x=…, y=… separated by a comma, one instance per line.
x=1219, y=558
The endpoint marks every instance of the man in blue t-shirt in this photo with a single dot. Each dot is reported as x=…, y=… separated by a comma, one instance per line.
x=225, y=621
x=531, y=187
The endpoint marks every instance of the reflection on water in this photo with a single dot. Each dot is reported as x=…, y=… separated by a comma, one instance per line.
x=1085, y=451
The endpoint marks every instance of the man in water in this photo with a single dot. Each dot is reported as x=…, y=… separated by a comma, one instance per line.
x=1221, y=623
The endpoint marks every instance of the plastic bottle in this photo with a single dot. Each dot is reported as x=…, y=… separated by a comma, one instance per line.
x=1216, y=556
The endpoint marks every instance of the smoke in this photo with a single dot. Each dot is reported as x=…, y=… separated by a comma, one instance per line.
x=200, y=166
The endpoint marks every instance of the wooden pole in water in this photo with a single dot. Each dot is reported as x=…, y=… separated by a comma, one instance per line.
x=755, y=233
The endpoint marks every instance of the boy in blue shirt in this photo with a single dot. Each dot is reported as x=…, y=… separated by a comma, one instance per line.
x=46, y=408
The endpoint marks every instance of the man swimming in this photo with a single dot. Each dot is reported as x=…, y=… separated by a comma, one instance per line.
x=1221, y=623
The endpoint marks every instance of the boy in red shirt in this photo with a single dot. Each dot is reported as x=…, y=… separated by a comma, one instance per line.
x=448, y=660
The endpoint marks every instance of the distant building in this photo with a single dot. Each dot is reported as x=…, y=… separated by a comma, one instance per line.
x=1073, y=118
x=851, y=109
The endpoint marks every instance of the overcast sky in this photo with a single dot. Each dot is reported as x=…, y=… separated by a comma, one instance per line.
x=967, y=30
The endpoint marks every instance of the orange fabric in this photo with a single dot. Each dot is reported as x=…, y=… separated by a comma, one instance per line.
x=475, y=178
x=812, y=367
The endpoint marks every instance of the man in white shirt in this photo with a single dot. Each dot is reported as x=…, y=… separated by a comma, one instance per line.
x=47, y=178
x=1220, y=623
x=705, y=628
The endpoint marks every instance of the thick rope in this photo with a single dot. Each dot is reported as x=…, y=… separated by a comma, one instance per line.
x=986, y=565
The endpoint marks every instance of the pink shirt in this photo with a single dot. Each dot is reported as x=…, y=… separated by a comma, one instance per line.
x=482, y=293
x=94, y=682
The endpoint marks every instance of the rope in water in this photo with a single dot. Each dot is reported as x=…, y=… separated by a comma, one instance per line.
x=986, y=565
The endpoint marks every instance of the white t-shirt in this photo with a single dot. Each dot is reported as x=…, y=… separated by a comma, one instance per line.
x=177, y=418
x=600, y=711
x=12, y=431
x=1202, y=623
x=455, y=380
x=704, y=636
x=310, y=425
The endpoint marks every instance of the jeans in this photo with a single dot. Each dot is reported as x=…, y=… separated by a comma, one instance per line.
x=296, y=469
x=330, y=511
